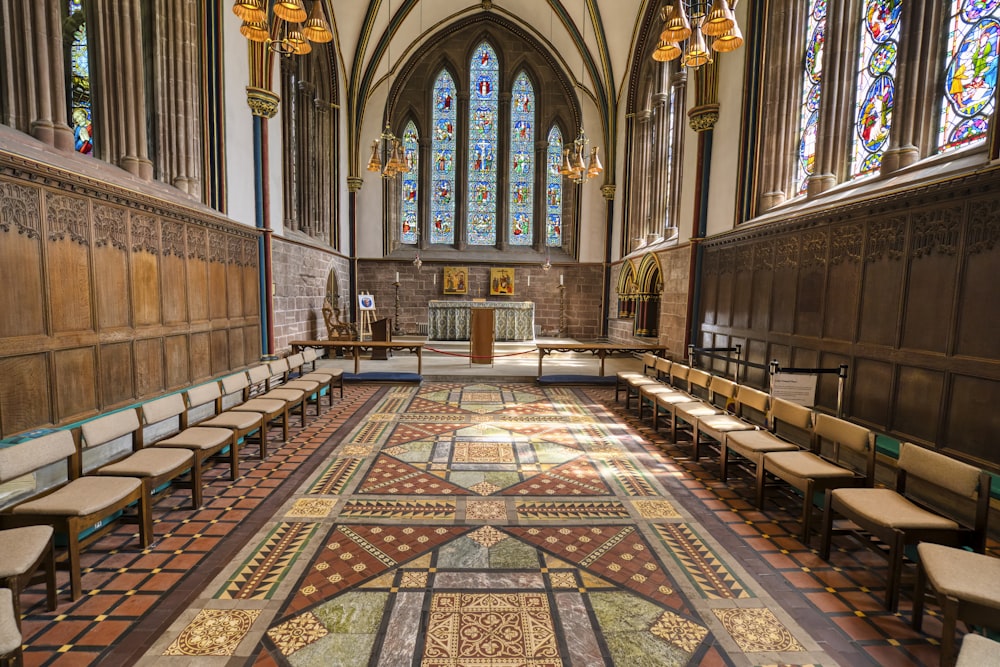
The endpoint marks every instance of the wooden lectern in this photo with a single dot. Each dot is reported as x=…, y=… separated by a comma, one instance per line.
x=481, y=336
x=381, y=331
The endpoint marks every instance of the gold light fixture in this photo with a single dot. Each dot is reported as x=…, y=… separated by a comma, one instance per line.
x=574, y=167
x=283, y=31
x=691, y=21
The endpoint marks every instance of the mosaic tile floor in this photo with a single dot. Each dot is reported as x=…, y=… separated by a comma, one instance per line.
x=479, y=525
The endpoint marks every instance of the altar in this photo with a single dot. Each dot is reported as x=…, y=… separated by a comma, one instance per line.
x=449, y=320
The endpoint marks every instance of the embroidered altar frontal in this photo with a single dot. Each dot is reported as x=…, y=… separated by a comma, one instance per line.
x=450, y=320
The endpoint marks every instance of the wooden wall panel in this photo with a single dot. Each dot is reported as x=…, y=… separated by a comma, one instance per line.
x=218, y=308
x=197, y=275
x=933, y=268
x=76, y=389
x=826, y=394
x=251, y=345
x=201, y=356
x=117, y=374
x=234, y=278
x=114, y=301
x=783, y=301
x=710, y=288
x=978, y=324
x=811, y=283
x=871, y=388
x=67, y=232
x=237, y=354
x=177, y=361
x=251, y=279
x=724, y=300
x=843, y=283
x=220, y=351
x=145, y=267
x=880, y=293
x=173, y=271
x=743, y=287
x=973, y=420
x=149, y=367
x=22, y=302
x=25, y=402
x=917, y=403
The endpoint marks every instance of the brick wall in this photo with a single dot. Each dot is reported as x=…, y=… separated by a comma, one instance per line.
x=300, y=275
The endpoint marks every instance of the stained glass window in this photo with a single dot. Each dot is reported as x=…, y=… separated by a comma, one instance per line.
x=408, y=232
x=484, y=106
x=553, y=189
x=812, y=76
x=80, y=109
x=876, y=87
x=444, y=117
x=971, y=72
x=522, y=161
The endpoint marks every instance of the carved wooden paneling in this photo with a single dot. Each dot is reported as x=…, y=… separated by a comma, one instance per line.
x=843, y=284
x=201, y=356
x=111, y=256
x=117, y=374
x=251, y=344
x=871, y=387
x=916, y=411
x=933, y=272
x=883, y=280
x=67, y=232
x=218, y=306
x=21, y=299
x=783, y=299
x=826, y=392
x=234, y=278
x=177, y=361
x=145, y=261
x=197, y=275
x=24, y=393
x=978, y=316
x=251, y=279
x=812, y=273
x=710, y=288
x=174, y=273
x=973, y=420
x=149, y=367
x=236, y=353
x=724, y=300
x=76, y=389
x=220, y=351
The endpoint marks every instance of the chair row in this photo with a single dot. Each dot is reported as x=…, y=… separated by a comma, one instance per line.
x=831, y=462
x=77, y=481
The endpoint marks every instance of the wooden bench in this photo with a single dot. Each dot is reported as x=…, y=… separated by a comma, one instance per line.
x=601, y=350
x=356, y=346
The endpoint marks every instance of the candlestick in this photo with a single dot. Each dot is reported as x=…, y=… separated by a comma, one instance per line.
x=529, y=281
x=560, y=279
x=397, y=276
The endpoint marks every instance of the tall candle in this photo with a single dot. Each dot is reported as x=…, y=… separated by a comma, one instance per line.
x=397, y=276
x=529, y=281
x=560, y=279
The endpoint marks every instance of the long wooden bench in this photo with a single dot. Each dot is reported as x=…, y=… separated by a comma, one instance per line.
x=600, y=350
x=356, y=346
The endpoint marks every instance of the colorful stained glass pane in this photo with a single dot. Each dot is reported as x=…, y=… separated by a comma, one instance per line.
x=521, y=201
x=553, y=189
x=484, y=107
x=971, y=72
x=443, y=119
x=812, y=76
x=81, y=111
x=875, y=84
x=410, y=197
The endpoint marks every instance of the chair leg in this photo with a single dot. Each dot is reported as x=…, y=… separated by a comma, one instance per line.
x=895, y=571
x=196, y=482
x=49, y=563
x=807, y=512
x=145, y=521
x=919, y=592
x=73, y=549
x=949, y=619
x=824, y=546
x=761, y=475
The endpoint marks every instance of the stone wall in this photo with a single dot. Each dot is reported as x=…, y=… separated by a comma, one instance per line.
x=301, y=273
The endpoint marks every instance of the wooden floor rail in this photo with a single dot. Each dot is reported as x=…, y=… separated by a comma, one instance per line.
x=600, y=350
x=357, y=345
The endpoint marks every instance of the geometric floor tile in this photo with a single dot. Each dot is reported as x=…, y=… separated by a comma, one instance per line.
x=214, y=632
x=562, y=511
x=259, y=575
x=705, y=569
x=757, y=630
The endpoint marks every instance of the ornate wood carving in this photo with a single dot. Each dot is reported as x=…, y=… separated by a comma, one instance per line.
x=250, y=252
x=19, y=209
x=173, y=239
x=145, y=234
x=813, y=253
x=197, y=243
x=983, y=227
x=235, y=251
x=886, y=238
x=712, y=262
x=67, y=217
x=744, y=259
x=727, y=260
x=109, y=227
x=217, y=247
x=936, y=230
x=763, y=256
x=846, y=244
x=786, y=253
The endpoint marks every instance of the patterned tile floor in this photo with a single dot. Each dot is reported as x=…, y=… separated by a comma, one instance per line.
x=490, y=525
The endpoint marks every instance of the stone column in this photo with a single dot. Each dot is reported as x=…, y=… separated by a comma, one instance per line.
x=644, y=127
x=837, y=86
x=503, y=181
x=675, y=141
x=462, y=162
x=290, y=142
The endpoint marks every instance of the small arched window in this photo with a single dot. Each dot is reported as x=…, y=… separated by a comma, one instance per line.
x=875, y=84
x=553, y=189
x=812, y=76
x=410, y=191
x=970, y=73
x=80, y=101
x=443, y=119
x=484, y=107
x=521, y=201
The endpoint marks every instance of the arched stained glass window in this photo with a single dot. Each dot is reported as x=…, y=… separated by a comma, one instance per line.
x=811, y=79
x=522, y=162
x=444, y=118
x=875, y=82
x=484, y=106
x=553, y=189
x=80, y=109
x=410, y=204
x=971, y=72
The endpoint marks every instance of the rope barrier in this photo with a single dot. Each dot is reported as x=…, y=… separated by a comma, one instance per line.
x=479, y=356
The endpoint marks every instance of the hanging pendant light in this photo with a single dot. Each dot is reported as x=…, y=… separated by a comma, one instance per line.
x=678, y=27
x=290, y=35
x=666, y=51
x=719, y=19
x=251, y=11
x=255, y=31
x=290, y=10
x=316, y=28
x=693, y=20
x=697, y=53
x=595, y=167
x=730, y=40
x=374, y=162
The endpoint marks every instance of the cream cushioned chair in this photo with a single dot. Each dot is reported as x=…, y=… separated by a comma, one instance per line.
x=967, y=585
x=242, y=424
x=334, y=376
x=203, y=442
x=978, y=651
x=22, y=552
x=75, y=505
x=752, y=445
x=749, y=415
x=937, y=499
x=10, y=630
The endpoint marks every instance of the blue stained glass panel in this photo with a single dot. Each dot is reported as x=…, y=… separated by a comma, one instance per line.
x=553, y=189
x=812, y=76
x=81, y=111
x=410, y=195
x=971, y=72
x=521, y=202
x=875, y=84
x=443, y=119
x=484, y=107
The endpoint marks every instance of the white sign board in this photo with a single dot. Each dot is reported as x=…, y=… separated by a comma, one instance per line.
x=795, y=387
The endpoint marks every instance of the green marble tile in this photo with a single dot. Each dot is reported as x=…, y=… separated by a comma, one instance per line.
x=618, y=611
x=549, y=452
x=353, y=613
x=463, y=552
x=642, y=649
x=514, y=554
x=348, y=650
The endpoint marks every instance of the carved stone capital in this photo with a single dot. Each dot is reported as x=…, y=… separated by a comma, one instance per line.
x=262, y=103
x=608, y=190
x=354, y=183
x=704, y=117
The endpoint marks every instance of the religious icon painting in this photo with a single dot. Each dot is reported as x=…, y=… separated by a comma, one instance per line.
x=501, y=282
x=456, y=280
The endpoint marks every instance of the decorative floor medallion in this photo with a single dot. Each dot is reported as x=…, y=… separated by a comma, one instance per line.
x=214, y=632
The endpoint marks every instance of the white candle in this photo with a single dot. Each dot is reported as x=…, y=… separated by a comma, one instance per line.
x=560, y=279
x=529, y=281
x=435, y=277
x=397, y=276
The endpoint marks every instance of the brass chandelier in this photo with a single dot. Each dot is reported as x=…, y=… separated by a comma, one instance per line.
x=292, y=30
x=396, y=161
x=692, y=21
x=573, y=167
